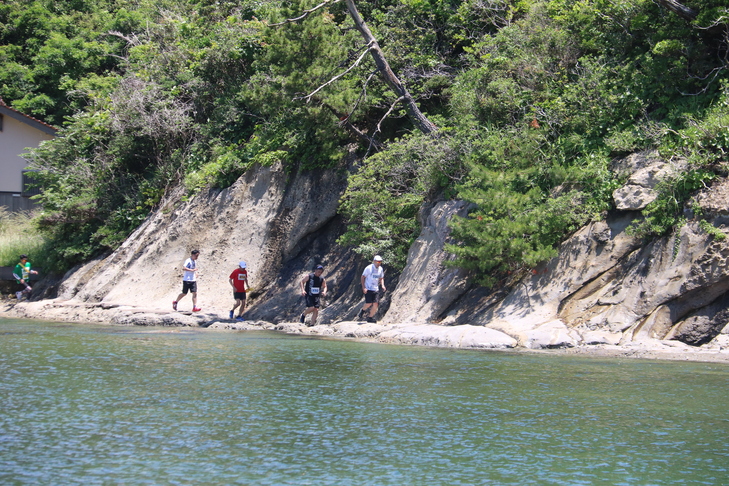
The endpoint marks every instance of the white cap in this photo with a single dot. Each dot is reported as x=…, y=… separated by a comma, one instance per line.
x=377, y=258
x=242, y=264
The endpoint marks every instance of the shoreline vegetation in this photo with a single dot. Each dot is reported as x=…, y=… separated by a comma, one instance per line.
x=428, y=335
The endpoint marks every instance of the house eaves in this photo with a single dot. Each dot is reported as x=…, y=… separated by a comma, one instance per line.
x=28, y=120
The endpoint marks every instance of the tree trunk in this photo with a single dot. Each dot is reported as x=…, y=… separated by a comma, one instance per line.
x=414, y=113
x=679, y=9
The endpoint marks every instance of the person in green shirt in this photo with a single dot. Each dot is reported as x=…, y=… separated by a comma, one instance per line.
x=22, y=274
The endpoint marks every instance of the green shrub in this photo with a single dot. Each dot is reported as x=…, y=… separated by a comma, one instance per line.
x=384, y=196
x=666, y=211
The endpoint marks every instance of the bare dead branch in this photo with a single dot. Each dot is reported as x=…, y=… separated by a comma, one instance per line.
x=392, y=108
x=338, y=76
x=362, y=95
x=344, y=122
x=132, y=41
x=305, y=14
x=720, y=23
x=379, y=123
x=713, y=74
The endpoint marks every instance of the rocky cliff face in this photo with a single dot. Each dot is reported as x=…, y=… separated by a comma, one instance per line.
x=604, y=287
x=280, y=224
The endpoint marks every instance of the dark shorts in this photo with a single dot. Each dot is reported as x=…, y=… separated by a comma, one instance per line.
x=189, y=287
x=372, y=297
x=313, y=300
x=239, y=295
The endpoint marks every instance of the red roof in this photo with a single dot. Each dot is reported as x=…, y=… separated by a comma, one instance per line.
x=27, y=118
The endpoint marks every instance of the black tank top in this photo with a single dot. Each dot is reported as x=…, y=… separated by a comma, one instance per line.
x=315, y=282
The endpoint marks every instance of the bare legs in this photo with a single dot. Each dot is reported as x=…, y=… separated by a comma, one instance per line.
x=194, y=298
x=314, y=313
x=242, y=304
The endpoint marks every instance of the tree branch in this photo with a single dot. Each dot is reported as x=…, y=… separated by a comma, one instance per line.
x=132, y=41
x=356, y=63
x=414, y=113
x=392, y=108
x=679, y=9
x=362, y=94
x=352, y=129
x=379, y=123
x=305, y=14
x=411, y=107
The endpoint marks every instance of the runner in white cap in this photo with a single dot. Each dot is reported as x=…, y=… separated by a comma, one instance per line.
x=239, y=281
x=372, y=278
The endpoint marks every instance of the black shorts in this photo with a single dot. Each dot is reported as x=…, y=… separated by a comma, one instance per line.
x=372, y=297
x=189, y=287
x=313, y=300
x=239, y=295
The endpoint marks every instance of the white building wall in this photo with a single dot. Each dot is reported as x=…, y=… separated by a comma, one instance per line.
x=15, y=137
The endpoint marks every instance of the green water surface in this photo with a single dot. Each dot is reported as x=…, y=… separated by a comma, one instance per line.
x=86, y=404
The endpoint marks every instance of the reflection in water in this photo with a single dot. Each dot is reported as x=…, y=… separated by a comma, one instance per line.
x=111, y=405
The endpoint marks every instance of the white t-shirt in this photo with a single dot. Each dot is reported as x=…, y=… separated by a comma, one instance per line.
x=372, y=275
x=189, y=276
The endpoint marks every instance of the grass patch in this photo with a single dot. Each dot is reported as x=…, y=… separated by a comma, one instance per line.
x=19, y=235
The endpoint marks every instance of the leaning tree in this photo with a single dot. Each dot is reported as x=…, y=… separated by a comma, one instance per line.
x=383, y=68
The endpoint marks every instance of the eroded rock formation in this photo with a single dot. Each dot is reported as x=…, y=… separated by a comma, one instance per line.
x=604, y=288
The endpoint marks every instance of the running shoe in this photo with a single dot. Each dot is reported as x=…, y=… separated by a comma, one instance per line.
x=302, y=318
x=239, y=318
x=174, y=305
x=196, y=309
x=371, y=319
x=230, y=315
x=18, y=295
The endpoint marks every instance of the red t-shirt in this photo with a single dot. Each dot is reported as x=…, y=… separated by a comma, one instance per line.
x=240, y=277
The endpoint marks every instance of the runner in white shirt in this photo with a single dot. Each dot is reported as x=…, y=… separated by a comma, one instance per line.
x=372, y=278
x=189, y=281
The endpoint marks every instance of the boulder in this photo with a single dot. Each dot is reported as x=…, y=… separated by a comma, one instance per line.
x=553, y=334
x=639, y=191
x=446, y=336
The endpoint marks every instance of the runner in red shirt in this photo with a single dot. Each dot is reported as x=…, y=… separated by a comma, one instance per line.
x=239, y=281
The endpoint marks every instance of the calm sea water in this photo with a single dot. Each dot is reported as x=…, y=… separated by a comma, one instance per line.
x=83, y=404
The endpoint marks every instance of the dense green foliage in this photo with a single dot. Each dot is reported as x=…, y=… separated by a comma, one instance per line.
x=385, y=195
x=533, y=99
x=558, y=93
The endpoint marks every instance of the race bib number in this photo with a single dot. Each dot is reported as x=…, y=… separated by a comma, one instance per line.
x=314, y=290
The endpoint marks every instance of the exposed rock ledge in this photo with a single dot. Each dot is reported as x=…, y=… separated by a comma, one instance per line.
x=459, y=336
x=605, y=293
